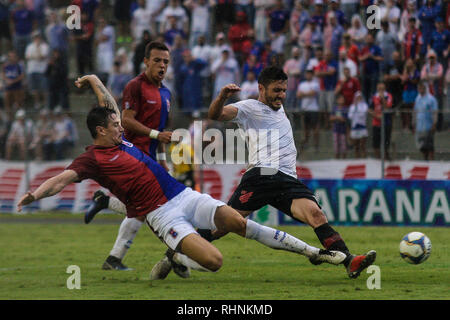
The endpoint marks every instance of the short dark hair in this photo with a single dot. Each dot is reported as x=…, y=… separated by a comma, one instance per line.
x=98, y=116
x=271, y=74
x=154, y=45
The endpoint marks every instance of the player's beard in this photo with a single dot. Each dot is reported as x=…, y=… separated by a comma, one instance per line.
x=270, y=102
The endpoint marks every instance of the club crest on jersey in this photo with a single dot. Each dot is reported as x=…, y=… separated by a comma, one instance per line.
x=173, y=233
x=245, y=196
x=127, y=105
x=128, y=144
x=168, y=105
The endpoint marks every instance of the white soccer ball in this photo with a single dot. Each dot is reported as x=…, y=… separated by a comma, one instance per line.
x=415, y=247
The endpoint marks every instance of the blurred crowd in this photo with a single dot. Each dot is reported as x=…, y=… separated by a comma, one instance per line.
x=351, y=70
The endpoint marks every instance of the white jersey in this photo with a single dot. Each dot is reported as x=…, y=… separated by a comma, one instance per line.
x=270, y=138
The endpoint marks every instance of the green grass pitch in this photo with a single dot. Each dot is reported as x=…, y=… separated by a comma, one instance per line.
x=36, y=249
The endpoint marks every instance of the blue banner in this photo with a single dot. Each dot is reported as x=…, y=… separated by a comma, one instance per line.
x=381, y=202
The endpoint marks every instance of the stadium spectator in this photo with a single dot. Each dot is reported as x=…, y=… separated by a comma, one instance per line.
x=192, y=81
x=335, y=9
x=249, y=9
x=249, y=88
x=293, y=68
x=42, y=140
x=89, y=7
x=298, y=20
x=357, y=115
x=84, y=38
x=139, y=52
x=237, y=34
x=57, y=34
x=327, y=73
x=202, y=50
x=225, y=70
x=278, y=26
x=141, y=21
x=117, y=81
x=176, y=60
x=357, y=31
x=172, y=30
x=392, y=77
x=22, y=27
x=440, y=42
x=19, y=136
x=412, y=41
x=155, y=7
x=390, y=13
x=350, y=8
x=380, y=106
x=200, y=20
x=410, y=79
x=57, y=76
x=251, y=64
x=5, y=31
x=308, y=92
x=345, y=62
x=428, y=13
x=425, y=121
x=126, y=64
x=260, y=25
x=338, y=117
x=60, y=135
x=370, y=58
x=219, y=46
x=37, y=54
x=105, y=39
x=13, y=75
x=336, y=34
x=4, y=128
x=122, y=14
x=433, y=73
x=175, y=10
x=318, y=14
x=409, y=12
x=388, y=42
x=347, y=87
x=351, y=50
x=312, y=35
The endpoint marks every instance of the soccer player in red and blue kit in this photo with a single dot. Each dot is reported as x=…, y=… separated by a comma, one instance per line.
x=171, y=210
x=145, y=106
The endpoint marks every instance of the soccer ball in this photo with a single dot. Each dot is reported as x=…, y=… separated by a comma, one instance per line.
x=415, y=247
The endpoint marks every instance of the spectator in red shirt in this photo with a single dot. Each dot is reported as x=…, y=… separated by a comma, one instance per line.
x=238, y=34
x=412, y=41
x=381, y=104
x=347, y=87
x=349, y=48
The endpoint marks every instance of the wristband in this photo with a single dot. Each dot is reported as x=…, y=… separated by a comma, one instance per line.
x=153, y=134
x=161, y=156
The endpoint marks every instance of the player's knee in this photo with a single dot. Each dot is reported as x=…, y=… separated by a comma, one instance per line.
x=213, y=262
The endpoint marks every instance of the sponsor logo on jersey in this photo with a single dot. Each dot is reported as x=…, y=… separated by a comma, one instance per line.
x=128, y=144
x=173, y=233
x=245, y=196
x=151, y=101
x=114, y=158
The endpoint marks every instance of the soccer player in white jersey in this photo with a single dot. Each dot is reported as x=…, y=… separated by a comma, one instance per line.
x=274, y=181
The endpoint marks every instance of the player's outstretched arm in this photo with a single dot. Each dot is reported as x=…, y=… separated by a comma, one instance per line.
x=217, y=110
x=49, y=188
x=105, y=99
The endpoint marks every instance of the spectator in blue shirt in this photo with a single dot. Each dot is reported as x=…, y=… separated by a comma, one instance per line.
x=440, y=41
x=57, y=34
x=192, y=82
x=427, y=15
x=370, y=58
x=23, y=20
x=425, y=120
x=173, y=31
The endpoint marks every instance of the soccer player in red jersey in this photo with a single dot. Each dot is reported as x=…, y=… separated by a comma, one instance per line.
x=145, y=105
x=171, y=209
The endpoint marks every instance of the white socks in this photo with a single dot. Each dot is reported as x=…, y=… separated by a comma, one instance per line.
x=277, y=239
x=116, y=205
x=127, y=232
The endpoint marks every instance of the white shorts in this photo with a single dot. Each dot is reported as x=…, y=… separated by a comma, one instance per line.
x=358, y=134
x=181, y=215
